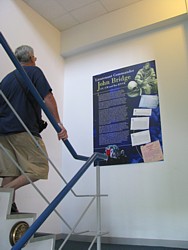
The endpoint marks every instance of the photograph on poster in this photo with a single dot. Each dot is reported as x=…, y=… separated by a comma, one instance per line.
x=126, y=115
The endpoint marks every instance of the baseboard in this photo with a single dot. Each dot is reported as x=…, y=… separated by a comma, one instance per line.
x=129, y=241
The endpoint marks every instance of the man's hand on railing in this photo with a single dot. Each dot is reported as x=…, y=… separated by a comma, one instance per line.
x=63, y=133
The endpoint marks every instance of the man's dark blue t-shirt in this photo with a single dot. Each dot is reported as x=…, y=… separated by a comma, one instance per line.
x=21, y=101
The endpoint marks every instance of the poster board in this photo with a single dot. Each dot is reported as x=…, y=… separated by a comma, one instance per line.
x=126, y=115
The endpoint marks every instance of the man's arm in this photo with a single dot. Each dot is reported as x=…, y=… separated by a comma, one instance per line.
x=52, y=106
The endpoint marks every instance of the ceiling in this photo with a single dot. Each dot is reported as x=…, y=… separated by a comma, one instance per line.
x=64, y=14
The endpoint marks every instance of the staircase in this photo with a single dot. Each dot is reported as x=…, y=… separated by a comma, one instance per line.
x=13, y=226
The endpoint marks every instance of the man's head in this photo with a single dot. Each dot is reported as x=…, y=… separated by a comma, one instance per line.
x=25, y=55
x=146, y=66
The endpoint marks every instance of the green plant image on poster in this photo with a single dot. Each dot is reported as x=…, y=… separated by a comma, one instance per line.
x=126, y=115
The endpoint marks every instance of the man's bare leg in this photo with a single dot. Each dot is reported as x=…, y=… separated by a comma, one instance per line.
x=16, y=182
x=6, y=180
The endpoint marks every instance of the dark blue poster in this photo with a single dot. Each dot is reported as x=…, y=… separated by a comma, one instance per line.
x=126, y=111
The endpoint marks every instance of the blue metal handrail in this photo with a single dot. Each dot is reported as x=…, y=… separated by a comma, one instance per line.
x=33, y=228
x=95, y=157
x=38, y=98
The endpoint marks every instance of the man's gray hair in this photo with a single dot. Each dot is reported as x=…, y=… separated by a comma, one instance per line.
x=24, y=53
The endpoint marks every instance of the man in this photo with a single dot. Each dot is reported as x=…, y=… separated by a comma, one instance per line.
x=13, y=136
x=146, y=79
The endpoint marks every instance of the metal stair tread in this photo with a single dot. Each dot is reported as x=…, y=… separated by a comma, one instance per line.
x=21, y=215
x=39, y=241
x=39, y=237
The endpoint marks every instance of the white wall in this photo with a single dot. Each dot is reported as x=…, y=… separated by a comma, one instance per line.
x=147, y=201
x=20, y=25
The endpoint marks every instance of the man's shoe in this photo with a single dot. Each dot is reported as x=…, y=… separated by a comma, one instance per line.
x=14, y=208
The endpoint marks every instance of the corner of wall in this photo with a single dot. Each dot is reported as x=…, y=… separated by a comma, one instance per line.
x=139, y=17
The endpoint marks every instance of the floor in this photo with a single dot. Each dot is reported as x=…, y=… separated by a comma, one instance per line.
x=75, y=245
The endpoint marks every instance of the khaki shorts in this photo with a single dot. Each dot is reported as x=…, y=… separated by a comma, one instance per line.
x=26, y=153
